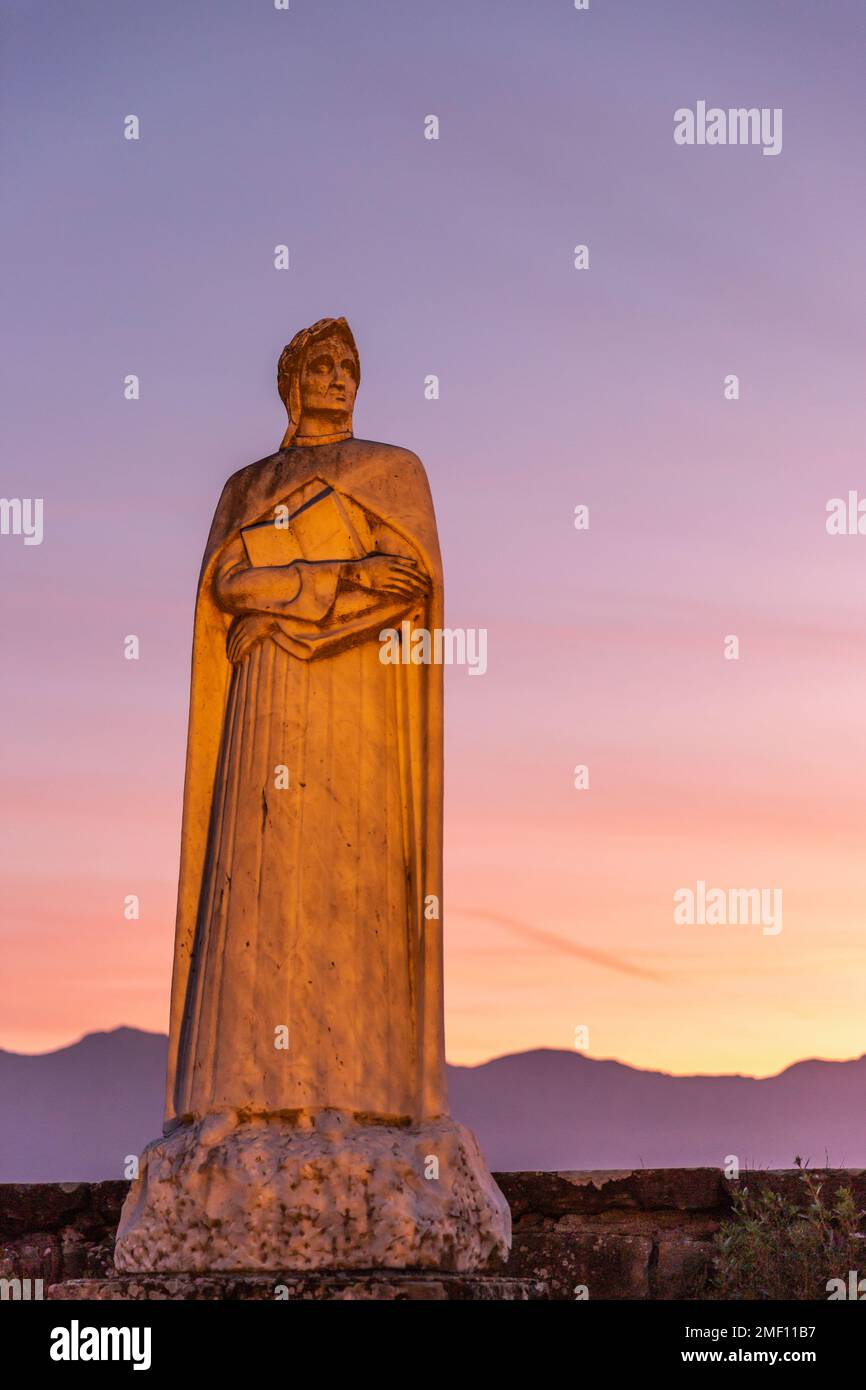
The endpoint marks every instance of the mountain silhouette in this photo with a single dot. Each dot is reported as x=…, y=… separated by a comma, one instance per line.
x=76, y=1114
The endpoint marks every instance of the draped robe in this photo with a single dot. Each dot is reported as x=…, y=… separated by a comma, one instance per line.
x=301, y=907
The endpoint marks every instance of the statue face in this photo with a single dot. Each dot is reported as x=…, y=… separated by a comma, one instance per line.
x=329, y=380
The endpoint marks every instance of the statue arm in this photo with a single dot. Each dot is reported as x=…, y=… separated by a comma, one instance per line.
x=319, y=593
x=305, y=589
x=361, y=593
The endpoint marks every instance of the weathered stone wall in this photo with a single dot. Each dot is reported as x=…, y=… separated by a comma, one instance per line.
x=56, y=1231
x=646, y=1234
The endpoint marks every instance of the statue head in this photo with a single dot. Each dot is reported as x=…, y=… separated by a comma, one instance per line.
x=317, y=378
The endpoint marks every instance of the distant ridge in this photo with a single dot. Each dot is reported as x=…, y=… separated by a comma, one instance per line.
x=74, y=1115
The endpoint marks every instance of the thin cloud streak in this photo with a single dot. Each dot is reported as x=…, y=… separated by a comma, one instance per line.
x=560, y=943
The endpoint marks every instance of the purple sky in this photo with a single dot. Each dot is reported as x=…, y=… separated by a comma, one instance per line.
x=557, y=387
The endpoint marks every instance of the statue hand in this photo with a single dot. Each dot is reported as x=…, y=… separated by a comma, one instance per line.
x=393, y=574
x=245, y=632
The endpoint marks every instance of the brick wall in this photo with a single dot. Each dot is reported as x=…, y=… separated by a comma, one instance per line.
x=646, y=1234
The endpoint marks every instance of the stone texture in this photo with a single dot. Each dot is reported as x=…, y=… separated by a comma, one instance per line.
x=26, y=1207
x=598, y=1229
x=265, y=1195
x=54, y=1231
x=681, y=1268
x=591, y=1193
x=606, y=1266
x=366, y=1287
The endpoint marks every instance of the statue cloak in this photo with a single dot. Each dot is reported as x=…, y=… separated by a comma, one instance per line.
x=333, y=665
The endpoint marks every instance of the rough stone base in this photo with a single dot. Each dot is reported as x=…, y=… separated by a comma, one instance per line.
x=375, y=1286
x=236, y=1195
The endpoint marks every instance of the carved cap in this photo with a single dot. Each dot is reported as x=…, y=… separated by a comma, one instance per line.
x=292, y=360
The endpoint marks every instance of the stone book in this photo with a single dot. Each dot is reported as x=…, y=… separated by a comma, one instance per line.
x=320, y=526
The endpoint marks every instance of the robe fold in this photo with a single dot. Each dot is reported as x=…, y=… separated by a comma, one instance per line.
x=308, y=949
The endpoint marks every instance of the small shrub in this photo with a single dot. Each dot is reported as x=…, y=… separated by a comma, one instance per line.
x=776, y=1248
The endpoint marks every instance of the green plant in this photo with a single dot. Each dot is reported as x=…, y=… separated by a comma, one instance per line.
x=779, y=1248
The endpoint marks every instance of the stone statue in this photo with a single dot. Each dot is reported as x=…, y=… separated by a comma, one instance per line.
x=306, y=1119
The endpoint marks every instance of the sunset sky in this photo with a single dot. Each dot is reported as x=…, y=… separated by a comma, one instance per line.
x=558, y=387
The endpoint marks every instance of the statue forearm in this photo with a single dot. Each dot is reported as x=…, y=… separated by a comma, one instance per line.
x=301, y=590
x=244, y=589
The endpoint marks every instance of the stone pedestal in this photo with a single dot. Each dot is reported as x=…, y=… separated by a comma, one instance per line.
x=325, y=1286
x=326, y=1192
